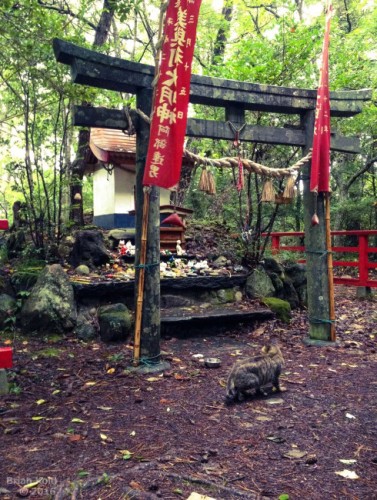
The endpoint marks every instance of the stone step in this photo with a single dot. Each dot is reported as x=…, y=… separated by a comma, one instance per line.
x=181, y=322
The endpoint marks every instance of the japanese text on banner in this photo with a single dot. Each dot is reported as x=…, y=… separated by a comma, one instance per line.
x=169, y=117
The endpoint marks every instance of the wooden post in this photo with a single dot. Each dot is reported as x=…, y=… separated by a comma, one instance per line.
x=364, y=290
x=275, y=244
x=330, y=269
x=139, y=289
x=316, y=250
x=150, y=274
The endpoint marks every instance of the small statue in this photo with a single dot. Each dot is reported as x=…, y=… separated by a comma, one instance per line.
x=122, y=247
x=130, y=248
x=179, y=248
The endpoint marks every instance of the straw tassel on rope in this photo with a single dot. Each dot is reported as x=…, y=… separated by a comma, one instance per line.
x=211, y=184
x=268, y=193
x=204, y=181
x=289, y=190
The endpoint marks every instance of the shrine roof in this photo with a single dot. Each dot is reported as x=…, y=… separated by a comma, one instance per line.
x=113, y=146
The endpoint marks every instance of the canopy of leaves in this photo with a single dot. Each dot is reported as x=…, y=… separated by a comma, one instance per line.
x=278, y=44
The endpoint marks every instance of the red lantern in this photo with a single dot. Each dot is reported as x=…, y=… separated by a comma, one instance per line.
x=315, y=220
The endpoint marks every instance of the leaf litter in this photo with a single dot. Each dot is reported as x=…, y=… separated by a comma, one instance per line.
x=328, y=409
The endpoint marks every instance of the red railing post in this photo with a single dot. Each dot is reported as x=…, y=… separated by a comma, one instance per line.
x=275, y=243
x=362, y=250
x=363, y=259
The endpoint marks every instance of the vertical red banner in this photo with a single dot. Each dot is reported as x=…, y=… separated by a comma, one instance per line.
x=169, y=117
x=320, y=166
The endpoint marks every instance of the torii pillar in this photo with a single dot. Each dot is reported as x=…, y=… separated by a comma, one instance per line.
x=150, y=339
x=316, y=250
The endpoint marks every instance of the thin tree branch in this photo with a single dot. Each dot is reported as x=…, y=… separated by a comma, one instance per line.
x=67, y=12
x=366, y=167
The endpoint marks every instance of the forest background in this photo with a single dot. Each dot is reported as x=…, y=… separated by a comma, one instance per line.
x=43, y=157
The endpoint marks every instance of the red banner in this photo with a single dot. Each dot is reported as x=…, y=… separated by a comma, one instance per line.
x=169, y=117
x=320, y=167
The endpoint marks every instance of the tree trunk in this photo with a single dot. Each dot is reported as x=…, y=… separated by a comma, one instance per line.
x=79, y=164
x=219, y=48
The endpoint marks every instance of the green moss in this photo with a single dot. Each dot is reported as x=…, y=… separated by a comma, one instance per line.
x=53, y=338
x=116, y=319
x=225, y=295
x=281, y=308
x=49, y=352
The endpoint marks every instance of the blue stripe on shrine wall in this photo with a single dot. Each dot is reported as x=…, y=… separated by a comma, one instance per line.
x=111, y=221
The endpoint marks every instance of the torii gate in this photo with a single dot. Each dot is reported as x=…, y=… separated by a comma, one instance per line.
x=106, y=72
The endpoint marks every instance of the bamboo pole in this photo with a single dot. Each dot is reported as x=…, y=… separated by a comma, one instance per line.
x=140, y=285
x=330, y=270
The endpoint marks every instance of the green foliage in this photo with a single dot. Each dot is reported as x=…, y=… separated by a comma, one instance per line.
x=278, y=44
x=3, y=255
x=15, y=389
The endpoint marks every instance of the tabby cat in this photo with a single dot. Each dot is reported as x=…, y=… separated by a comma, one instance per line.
x=254, y=373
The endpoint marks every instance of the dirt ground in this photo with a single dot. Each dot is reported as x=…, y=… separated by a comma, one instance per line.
x=78, y=424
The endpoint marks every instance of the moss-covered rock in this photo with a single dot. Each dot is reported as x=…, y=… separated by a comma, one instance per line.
x=259, y=284
x=82, y=270
x=281, y=308
x=50, y=307
x=87, y=326
x=115, y=322
x=225, y=295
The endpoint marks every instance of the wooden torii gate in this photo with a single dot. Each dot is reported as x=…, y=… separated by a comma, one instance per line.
x=106, y=72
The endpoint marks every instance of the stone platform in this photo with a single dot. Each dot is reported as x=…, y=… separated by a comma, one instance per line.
x=189, y=305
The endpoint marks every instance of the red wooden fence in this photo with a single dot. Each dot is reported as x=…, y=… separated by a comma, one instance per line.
x=362, y=251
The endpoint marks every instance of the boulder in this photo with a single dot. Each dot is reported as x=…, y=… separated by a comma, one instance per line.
x=8, y=308
x=289, y=281
x=259, y=284
x=220, y=262
x=288, y=293
x=87, y=326
x=115, y=322
x=273, y=266
x=50, y=307
x=297, y=274
x=82, y=270
x=89, y=249
x=225, y=295
x=277, y=281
